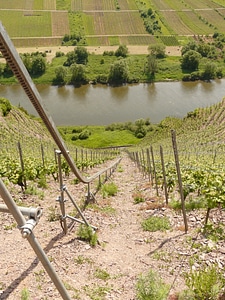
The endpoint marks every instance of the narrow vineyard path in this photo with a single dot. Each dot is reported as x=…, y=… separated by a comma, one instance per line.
x=111, y=268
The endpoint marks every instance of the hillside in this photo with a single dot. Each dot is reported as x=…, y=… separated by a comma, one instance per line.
x=125, y=252
x=109, y=23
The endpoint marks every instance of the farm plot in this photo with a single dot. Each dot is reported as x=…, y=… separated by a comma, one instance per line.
x=91, y=5
x=49, y=4
x=124, y=23
x=221, y=12
x=161, y=5
x=219, y=2
x=76, y=5
x=36, y=24
x=176, y=24
x=23, y=4
x=201, y=4
x=168, y=4
x=195, y=23
x=12, y=4
x=60, y=23
x=114, y=23
x=137, y=40
x=100, y=40
x=214, y=19
x=123, y=4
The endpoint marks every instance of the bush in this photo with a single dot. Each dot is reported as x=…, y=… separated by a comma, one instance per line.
x=5, y=106
x=84, y=135
x=205, y=283
x=109, y=189
x=156, y=223
x=151, y=287
x=86, y=233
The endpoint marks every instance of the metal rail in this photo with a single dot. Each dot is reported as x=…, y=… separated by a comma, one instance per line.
x=16, y=64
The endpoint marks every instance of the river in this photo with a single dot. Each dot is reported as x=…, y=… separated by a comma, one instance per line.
x=102, y=105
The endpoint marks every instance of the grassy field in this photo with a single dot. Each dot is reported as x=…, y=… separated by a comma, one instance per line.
x=110, y=22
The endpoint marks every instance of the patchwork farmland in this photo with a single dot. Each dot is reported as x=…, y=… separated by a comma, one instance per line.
x=110, y=22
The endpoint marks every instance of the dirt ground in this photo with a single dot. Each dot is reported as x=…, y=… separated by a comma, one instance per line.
x=51, y=51
x=124, y=251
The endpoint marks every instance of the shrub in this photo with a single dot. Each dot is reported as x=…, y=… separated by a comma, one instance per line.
x=155, y=223
x=86, y=233
x=205, y=283
x=5, y=106
x=84, y=135
x=151, y=287
x=109, y=189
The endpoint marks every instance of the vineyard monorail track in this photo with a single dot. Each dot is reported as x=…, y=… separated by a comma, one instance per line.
x=15, y=62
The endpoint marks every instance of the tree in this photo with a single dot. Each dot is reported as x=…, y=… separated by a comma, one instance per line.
x=38, y=66
x=81, y=55
x=209, y=71
x=78, y=73
x=118, y=72
x=71, y=59
x=121, y=51
x=190, y=60
x=26, y=58
x=78, y=56
x=60, y=75
x=152, y=64
x=158, y=50
x=190, y=46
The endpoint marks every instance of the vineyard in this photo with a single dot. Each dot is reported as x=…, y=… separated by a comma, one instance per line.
x=97, y=21
x=128, y=217
x=182, y=163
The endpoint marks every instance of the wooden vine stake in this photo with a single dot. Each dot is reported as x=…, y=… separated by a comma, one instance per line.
x=164, y=174
x=173, y=133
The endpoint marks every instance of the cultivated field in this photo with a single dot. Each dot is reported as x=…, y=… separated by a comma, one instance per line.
x=109, y=22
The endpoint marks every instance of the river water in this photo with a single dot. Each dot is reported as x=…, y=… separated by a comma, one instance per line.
x=102, y=105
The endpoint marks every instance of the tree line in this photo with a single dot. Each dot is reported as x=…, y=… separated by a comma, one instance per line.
x=200, y=60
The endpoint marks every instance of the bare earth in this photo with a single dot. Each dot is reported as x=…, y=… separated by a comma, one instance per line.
x=51, y=51
x=124, y=249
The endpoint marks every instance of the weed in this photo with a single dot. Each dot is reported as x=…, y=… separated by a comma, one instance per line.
x=204, y=283
x=75, y=181
x=69, y=287
x=25, y=295
x=163, y=256
x=151, y=287
x=2, y=285
x=52, y=214
x=31, y=190
x=96, y=292
x=119, y=169
x=82, y=260
x=138, y=197
x=42, y=183
x=190, y=204
x=105, y=209
x=10, y=227
x=109, y=189
x=155, y=223
x=102, y=274
x=214, y=232
x=86, y=233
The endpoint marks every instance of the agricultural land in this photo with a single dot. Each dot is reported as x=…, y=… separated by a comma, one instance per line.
x=151, y=228
x=109, y=23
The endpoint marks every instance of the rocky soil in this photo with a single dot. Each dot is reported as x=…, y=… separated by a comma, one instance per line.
x=124, y=251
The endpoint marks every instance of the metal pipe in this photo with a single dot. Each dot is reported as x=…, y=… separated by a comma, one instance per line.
x=14, y=210
x=30, y=212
